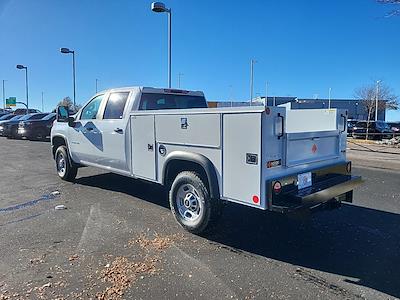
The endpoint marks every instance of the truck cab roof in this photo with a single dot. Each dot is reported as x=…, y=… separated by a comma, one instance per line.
x=153, y=90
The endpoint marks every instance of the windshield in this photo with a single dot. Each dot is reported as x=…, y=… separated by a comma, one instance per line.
x=150, y=101
x=383, y=125
x=6, y=117
x=49, y=116
x=32, y=117
x=362, y=125
x=16, y=118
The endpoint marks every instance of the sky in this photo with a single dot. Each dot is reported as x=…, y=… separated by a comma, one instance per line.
x=302, y=48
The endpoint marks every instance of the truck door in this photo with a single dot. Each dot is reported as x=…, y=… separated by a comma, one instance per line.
x=85, y=138
x=143, y=146
x=113, y=126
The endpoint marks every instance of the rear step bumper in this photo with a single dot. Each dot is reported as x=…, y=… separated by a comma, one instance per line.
x=319, y=194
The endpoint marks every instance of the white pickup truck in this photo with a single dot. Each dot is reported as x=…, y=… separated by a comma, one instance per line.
x=269, y=158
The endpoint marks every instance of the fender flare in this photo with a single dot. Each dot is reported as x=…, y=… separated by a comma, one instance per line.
x=199, y=159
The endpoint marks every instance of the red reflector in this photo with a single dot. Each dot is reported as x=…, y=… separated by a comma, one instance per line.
x=256, y=199
x=277, y=187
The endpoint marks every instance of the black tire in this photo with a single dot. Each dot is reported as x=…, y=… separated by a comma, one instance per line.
x=209, y=209
x=66, y=170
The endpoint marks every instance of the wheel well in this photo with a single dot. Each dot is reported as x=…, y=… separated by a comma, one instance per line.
x=56, y=142
x=176, y=166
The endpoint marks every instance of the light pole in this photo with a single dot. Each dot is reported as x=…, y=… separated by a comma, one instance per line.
x=96, y=84
x=4, y=93
x=159, y=7
x=68, y=51
x=179, y=79
x=20, y=67
x=252, y=62
x=377, y=100
x=42, y=103
x=329, y=98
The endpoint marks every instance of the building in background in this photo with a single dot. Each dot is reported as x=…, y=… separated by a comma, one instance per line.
x=355, y=108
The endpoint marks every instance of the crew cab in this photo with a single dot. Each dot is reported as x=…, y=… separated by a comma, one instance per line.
x=268, y=158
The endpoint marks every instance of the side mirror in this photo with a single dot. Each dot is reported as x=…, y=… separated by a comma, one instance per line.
x=62, y=114
x=71, y=121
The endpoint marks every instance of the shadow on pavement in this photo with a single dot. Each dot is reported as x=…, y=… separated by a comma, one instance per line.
x=356, y=242
x=150, y=192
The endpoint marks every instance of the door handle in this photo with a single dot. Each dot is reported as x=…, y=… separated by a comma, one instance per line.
x=283, y=126
x=344, y=123
x=118, y=130
x=89, y=129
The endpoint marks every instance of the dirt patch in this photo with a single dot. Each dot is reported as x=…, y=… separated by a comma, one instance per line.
x=158, y=243
x=121, y=273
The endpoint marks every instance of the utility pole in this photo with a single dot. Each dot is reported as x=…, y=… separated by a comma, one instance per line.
x=252, y=62
x=96, y=84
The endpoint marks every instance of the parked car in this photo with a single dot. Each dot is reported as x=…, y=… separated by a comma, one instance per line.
x=4, y=112
x=11, y=127
x=395, y=126
x=22, y=111
x=376, y=130
x=350, y=126
x=7, y=119
x=36, y=129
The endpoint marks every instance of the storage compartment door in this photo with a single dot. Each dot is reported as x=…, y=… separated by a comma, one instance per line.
x=242, y=157
x=143, y=146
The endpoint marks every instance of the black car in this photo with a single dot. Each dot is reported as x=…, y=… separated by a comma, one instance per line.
x=5, y=120
x=376, y=130
x=36, y=129
x=395, y=126
x=11, y=127
x=350, y=126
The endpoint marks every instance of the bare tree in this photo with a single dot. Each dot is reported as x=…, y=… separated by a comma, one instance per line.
x=394, y=3
x=370, y=93
x=66, y=101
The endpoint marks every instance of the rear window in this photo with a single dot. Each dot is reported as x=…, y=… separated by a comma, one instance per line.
x=150, y=101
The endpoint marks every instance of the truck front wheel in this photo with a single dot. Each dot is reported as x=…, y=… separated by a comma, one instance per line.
x=191, y=203
x=65, y=169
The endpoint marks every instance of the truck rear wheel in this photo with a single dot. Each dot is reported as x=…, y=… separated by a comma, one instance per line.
x=191, y=203
x=65, y=169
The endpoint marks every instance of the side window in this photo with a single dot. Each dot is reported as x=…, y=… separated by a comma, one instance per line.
x=91, y=109
x=115, y=105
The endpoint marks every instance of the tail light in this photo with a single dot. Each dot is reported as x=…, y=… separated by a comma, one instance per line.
x=277, y=187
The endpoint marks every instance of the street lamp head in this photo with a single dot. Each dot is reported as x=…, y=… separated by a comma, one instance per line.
x=159, y=7
x=20, y=67
x=65, y=50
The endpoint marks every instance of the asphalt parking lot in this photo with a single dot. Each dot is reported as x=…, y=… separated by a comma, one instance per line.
x=117, y=239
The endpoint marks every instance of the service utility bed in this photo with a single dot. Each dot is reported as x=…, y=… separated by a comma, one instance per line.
x=265, y=157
